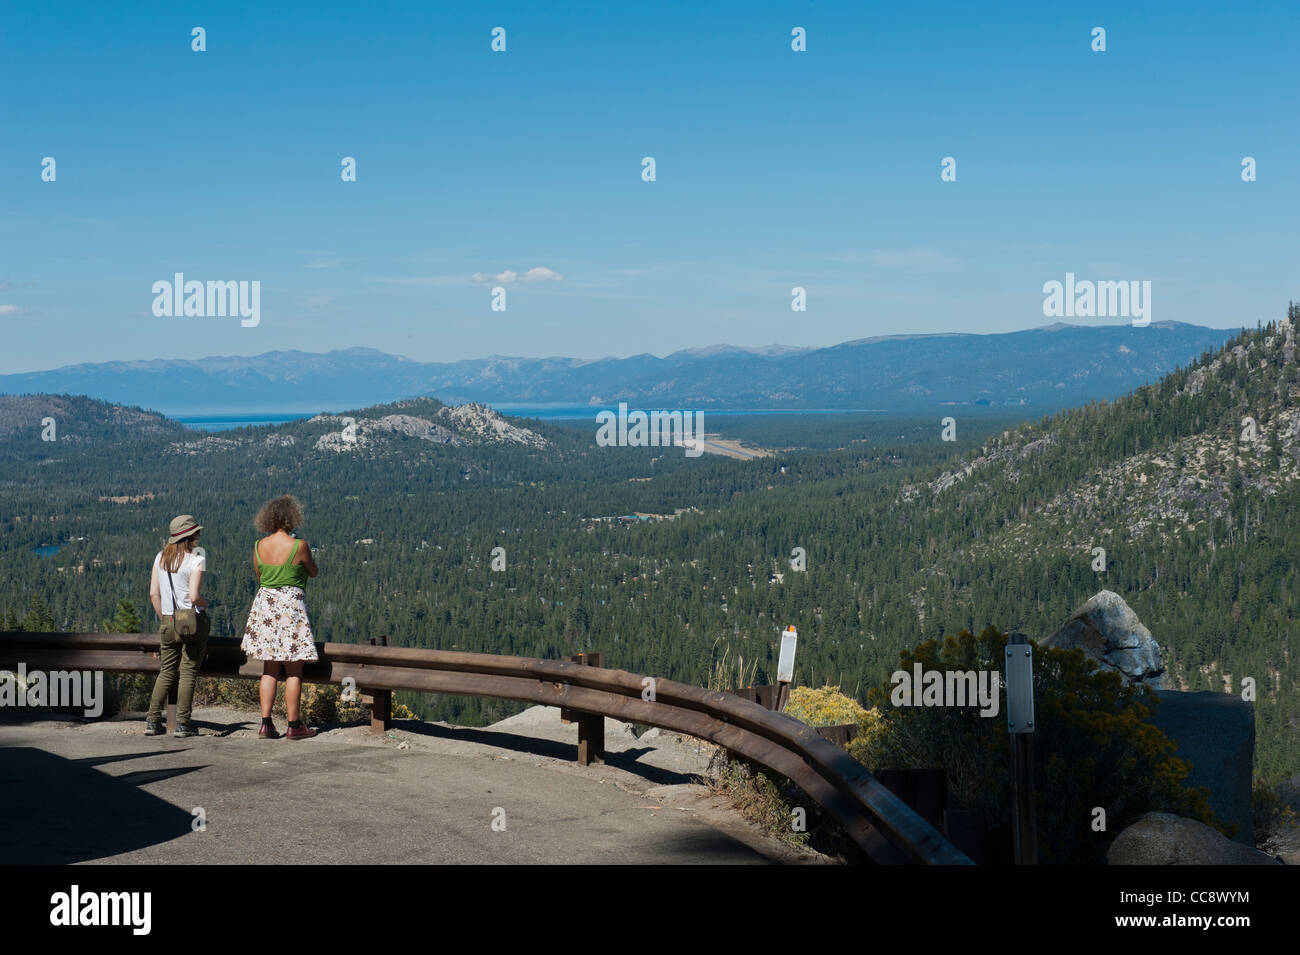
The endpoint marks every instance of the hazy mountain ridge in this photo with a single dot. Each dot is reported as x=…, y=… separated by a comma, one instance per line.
x=1053, y=367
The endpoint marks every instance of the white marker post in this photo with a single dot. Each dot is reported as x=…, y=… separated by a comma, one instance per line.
x=785, y=667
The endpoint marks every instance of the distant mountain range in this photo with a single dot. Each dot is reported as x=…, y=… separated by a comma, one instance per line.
x=1047, y=368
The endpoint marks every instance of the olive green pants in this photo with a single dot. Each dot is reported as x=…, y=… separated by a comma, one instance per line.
x=180, y=658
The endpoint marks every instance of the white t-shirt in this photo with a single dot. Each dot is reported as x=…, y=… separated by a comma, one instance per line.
x=190, y=563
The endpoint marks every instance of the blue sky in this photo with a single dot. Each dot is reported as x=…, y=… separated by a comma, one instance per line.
x=775, y=169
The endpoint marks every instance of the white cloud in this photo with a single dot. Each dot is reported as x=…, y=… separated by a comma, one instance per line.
x=8, y=309
x=503, y=277
x=539, y=274
x=323, y=264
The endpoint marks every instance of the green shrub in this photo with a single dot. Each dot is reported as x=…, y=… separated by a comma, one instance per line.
x=767, y=803
x=1275, y=819
x=1094, y=746
x=238, y=694
x=127, y=692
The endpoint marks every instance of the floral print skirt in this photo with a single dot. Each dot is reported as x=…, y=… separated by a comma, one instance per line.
x=278, y=628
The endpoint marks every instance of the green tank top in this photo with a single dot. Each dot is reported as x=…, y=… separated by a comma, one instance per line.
x=287, y=574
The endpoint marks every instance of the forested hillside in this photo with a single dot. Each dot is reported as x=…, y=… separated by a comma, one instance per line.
x=907, y=536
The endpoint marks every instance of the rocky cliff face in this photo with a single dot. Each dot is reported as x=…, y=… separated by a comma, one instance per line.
x=363, y=432
x=485, y=424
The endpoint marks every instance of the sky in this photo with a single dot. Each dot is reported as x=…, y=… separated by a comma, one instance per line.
x=523, y=170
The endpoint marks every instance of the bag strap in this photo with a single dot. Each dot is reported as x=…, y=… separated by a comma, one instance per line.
x=175, y=606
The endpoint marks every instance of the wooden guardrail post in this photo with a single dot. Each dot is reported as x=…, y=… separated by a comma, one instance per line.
x=591, y=726
x=925, y=790
x=381, y=701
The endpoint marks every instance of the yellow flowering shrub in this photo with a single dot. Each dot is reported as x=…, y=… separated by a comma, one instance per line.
x=829, y=707
x=400, y=711
x=824, y=707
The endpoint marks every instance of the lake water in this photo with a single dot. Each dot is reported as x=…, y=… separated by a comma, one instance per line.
x=225, y=422
x=588, y=412
x=49, y=550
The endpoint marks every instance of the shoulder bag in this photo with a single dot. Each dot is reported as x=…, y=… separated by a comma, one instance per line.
x=184, y=619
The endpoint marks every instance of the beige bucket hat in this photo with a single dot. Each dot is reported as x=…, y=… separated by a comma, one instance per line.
x=183, y=527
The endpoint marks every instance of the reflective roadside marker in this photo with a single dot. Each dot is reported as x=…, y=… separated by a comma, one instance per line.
x=1020, y=688
x=785, y=664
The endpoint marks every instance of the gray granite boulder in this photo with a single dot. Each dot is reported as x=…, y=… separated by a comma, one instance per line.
x=1159, y=838
x=1109, y=632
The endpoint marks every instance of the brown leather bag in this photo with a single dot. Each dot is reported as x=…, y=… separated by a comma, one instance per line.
x=184, y=619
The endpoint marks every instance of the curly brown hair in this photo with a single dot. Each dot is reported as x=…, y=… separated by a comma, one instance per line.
x=279, y=514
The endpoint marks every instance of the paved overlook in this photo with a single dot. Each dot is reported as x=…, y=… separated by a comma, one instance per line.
x=102, y=792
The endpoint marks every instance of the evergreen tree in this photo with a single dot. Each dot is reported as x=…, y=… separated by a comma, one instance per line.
x=39, y=618
x=125, y=620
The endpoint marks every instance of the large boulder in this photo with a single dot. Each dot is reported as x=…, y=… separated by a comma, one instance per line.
x=1160, y=838
x=1109, y=632
x=1215, y=733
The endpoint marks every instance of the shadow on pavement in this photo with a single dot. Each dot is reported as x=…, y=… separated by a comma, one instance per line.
x=58, y=811
x=225, y=729
x=713, y=848
x=628, y=760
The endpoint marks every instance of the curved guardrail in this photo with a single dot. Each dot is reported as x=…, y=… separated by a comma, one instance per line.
x=886, y=828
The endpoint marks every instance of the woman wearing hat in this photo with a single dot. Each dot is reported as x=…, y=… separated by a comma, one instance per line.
x=174, y=585
x=278, y=631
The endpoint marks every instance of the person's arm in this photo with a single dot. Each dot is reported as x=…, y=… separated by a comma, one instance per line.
x=155, y=592
x=196, y=578
x=305, y=558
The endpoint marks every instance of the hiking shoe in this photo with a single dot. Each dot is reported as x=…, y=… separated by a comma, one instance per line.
x=300, y=732
x=268, y=731
x=154, y=728
x=184, y=731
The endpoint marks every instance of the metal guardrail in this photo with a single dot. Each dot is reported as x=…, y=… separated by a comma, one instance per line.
x=886, y=828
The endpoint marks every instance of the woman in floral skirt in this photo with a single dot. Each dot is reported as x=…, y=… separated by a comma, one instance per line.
x=278, y=631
